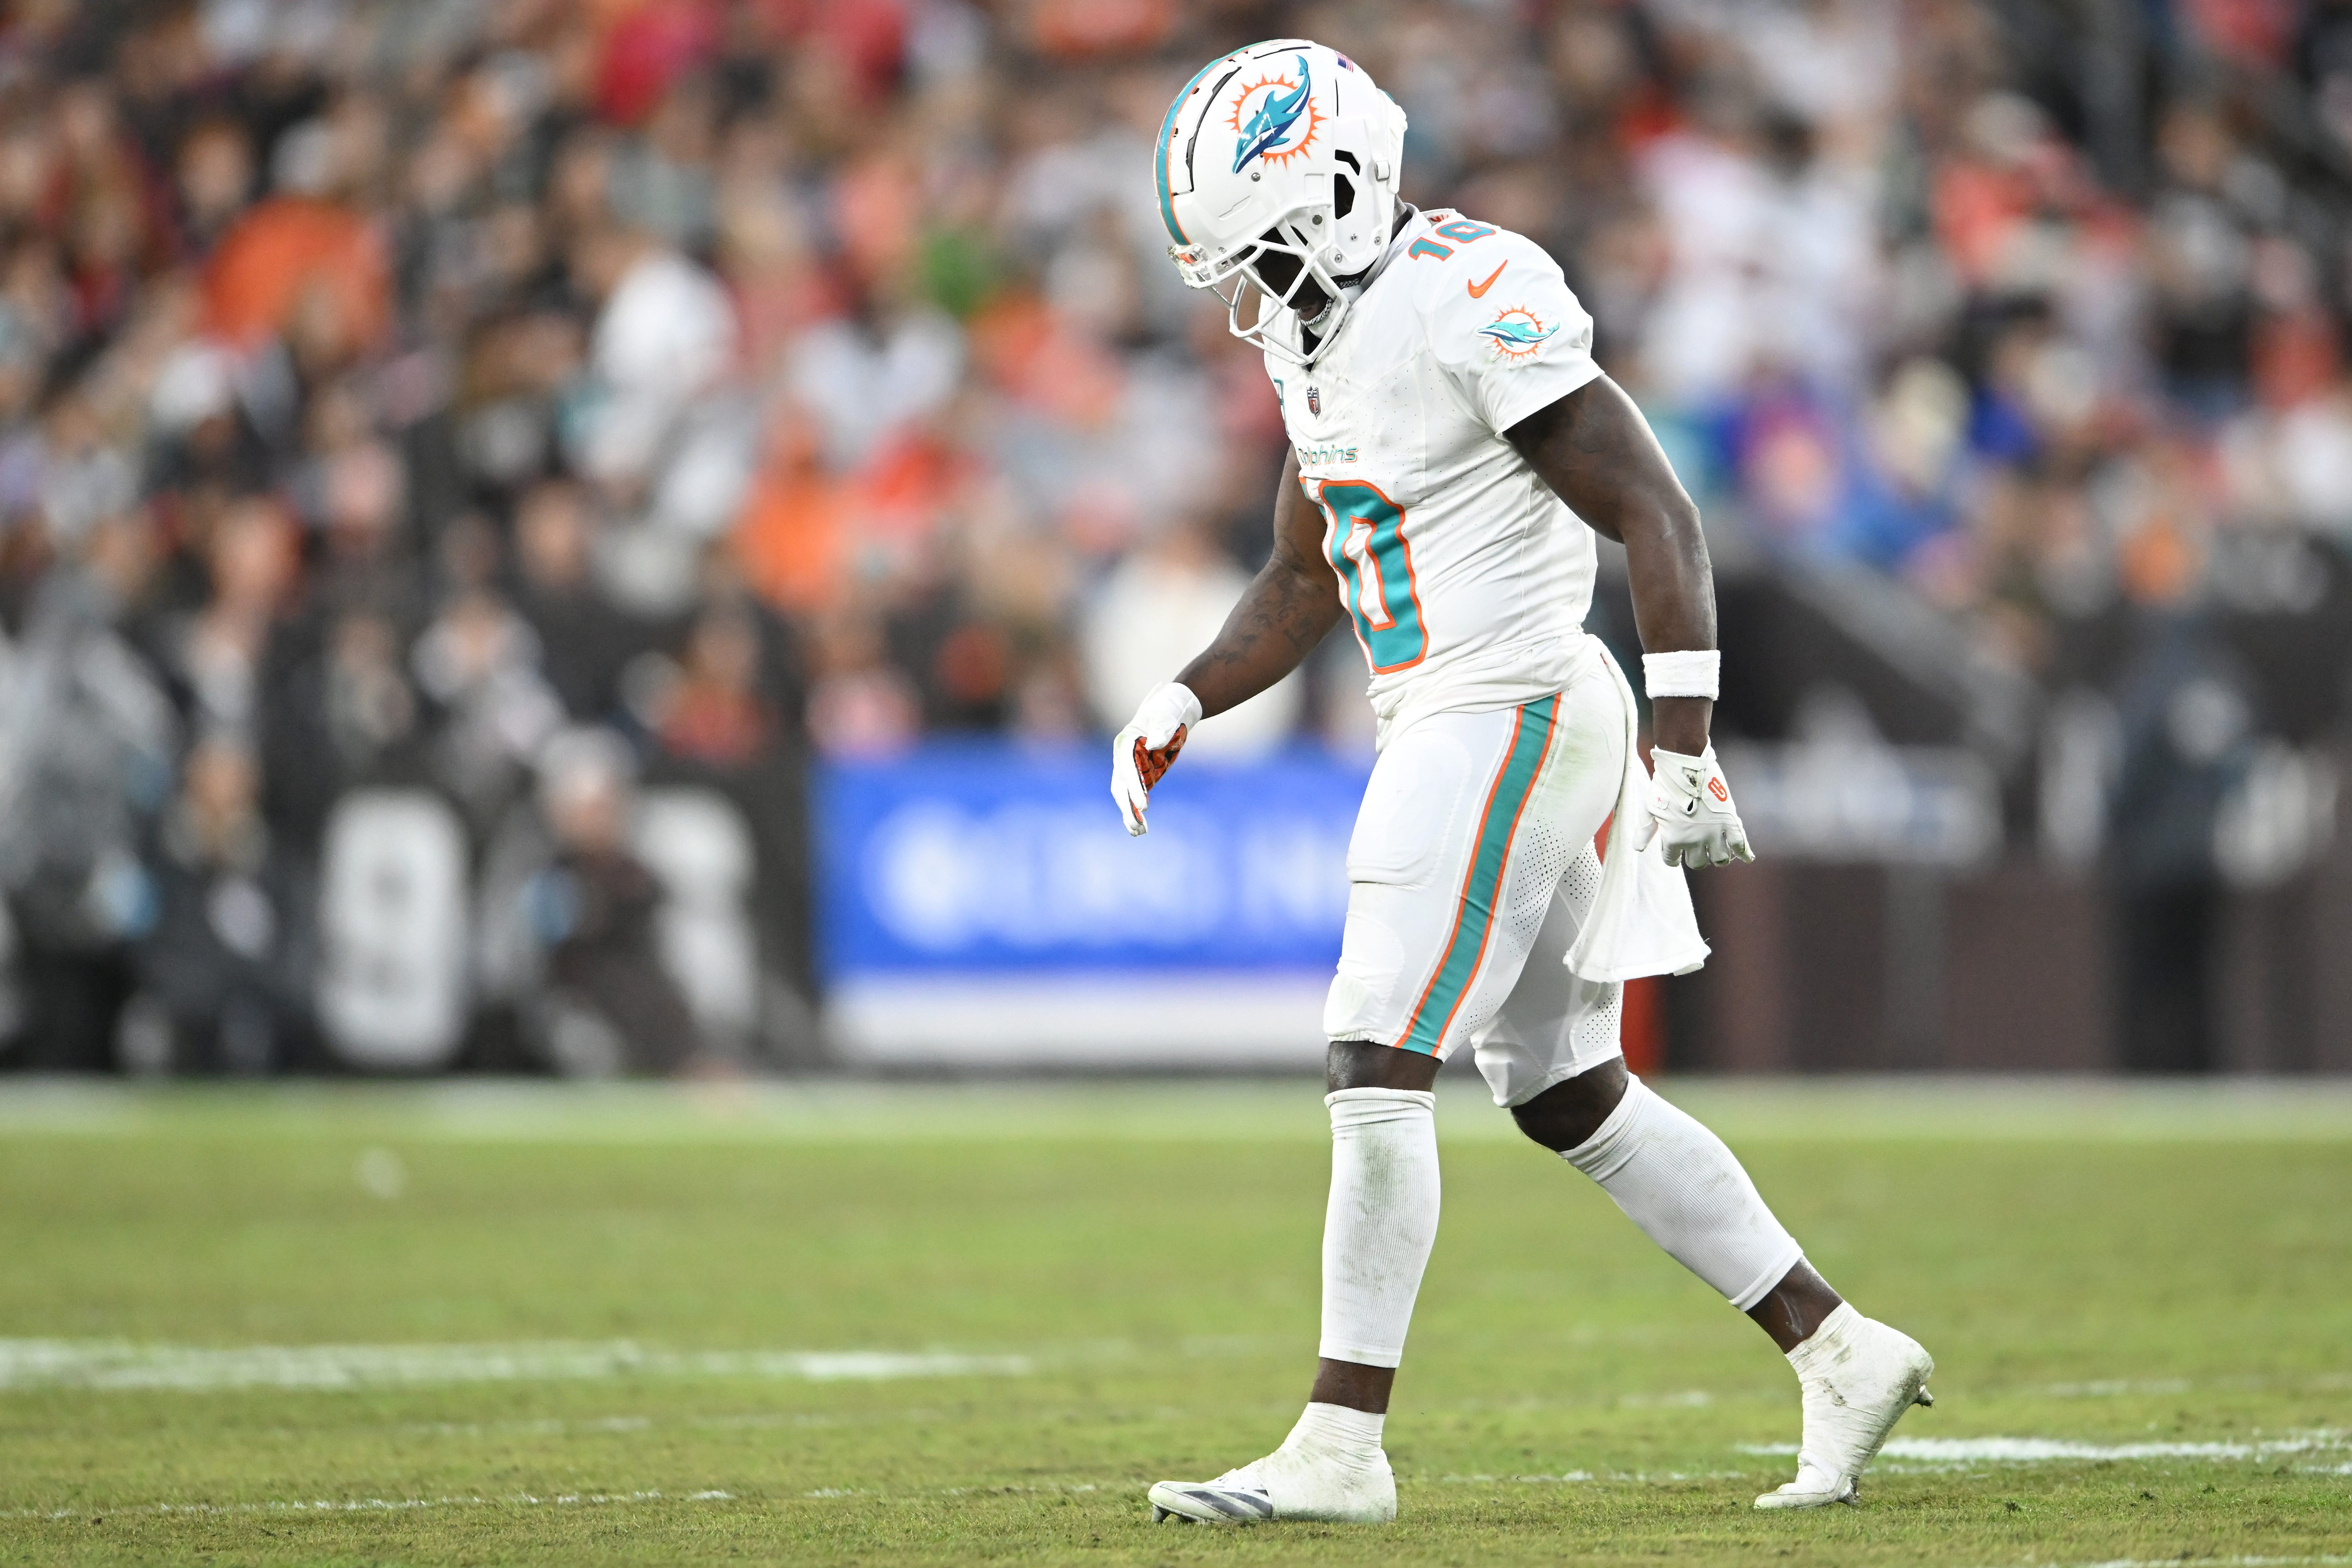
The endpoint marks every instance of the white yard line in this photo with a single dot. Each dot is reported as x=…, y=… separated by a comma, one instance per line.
x=1580, y=1478
x=2196, y=1562
x=2115, y=1388
x=124, y=1364
x=2063, y=1450
x=96, y=1512
x=2119, y=1388
x=2059, y=1450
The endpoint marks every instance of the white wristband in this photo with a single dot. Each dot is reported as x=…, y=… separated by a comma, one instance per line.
x=1694, y=673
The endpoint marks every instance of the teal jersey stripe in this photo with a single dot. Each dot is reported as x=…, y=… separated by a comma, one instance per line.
x=1159, y=158
x=1473, y=922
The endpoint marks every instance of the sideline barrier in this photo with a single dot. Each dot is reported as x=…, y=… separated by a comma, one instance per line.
x=979, y=904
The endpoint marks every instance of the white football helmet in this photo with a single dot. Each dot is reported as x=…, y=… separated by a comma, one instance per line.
x=1277, y=170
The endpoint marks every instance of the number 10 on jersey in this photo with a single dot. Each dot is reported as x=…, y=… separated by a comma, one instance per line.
x=1367, y=547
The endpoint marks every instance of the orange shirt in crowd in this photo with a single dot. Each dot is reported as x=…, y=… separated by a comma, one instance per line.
x=281, y=248
x=791, y=542
x=802, y=529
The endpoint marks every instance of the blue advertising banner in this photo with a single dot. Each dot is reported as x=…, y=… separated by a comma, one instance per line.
x=987, y=857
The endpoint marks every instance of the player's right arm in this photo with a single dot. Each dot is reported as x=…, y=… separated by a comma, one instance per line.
x=1523, y=360
x=1290, y=605
x=1598, y=454
x=1286, y=611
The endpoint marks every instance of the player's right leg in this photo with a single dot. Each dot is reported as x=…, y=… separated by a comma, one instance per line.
x=1688, y=1193
x=1553, y=1057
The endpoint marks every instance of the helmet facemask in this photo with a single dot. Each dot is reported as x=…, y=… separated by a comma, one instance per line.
x=1277, y=294
x=1282, y=279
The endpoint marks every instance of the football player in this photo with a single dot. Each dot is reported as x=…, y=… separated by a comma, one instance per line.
x=1453, y=448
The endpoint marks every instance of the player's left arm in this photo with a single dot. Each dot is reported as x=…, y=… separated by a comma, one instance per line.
x=1598, y=454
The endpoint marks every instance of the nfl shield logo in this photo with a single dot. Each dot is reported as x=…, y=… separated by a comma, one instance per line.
x=1314, y=401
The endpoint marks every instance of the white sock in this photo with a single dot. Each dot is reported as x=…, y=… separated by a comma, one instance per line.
x=1816, y=1353
x=1350, y=1438
x=1675, y=1180
x=1381, y=1221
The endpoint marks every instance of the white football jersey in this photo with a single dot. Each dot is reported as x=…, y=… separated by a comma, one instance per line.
x=1466, y=578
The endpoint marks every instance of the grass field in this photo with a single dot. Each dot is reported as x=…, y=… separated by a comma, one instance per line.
x=863, y=1325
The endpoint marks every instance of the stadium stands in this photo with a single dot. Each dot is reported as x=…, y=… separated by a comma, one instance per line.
x=470, y=469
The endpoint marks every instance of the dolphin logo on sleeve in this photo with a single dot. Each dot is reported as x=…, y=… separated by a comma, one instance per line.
x=1517, y=333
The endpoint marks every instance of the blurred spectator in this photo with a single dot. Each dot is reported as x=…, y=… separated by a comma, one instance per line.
x=611, y=1007
x=224, y=972
x=216, y=656
x=476, y=665
x=85, y=759
x=1159, y=608
x=863, y=705
x=341, y=712
x=712, y=713
x=2187, y=727
x=584, y=639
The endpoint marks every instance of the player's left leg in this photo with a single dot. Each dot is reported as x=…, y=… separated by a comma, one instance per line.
x=1552, y=1056
x=1467, y=822
x=1377, y=1229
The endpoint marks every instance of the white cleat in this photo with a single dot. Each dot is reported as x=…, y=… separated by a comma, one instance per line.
x=1286, y=1484
x=1859, y=1376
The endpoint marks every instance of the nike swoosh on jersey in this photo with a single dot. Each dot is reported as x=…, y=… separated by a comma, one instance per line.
x=1478, y=290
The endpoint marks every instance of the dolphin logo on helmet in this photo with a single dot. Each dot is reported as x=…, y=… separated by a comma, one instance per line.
x=1298, y=218
x=1274, y=119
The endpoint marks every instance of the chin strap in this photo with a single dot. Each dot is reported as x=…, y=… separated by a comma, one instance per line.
x=1354, y=281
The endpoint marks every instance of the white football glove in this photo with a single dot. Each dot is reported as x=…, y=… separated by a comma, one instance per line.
x=1691, y=811
x=1147, y=747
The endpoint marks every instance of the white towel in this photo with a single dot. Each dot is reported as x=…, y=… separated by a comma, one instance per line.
x=1642, y=921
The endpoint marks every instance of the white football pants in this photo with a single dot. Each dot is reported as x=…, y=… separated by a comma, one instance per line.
x=1473, y=852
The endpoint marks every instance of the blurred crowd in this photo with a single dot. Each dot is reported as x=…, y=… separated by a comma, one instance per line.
x=535, y=402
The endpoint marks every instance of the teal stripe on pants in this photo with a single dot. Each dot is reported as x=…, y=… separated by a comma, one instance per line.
x=1473, y=922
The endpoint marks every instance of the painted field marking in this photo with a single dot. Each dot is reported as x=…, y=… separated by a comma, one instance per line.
x=2245, y=1382
x=124, y=1364
x=2060, y=1450
x=365, y=1505
x=2057, y=1450
x=2115, y=1388
x=2207, y=1561
x=1580, y=1478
